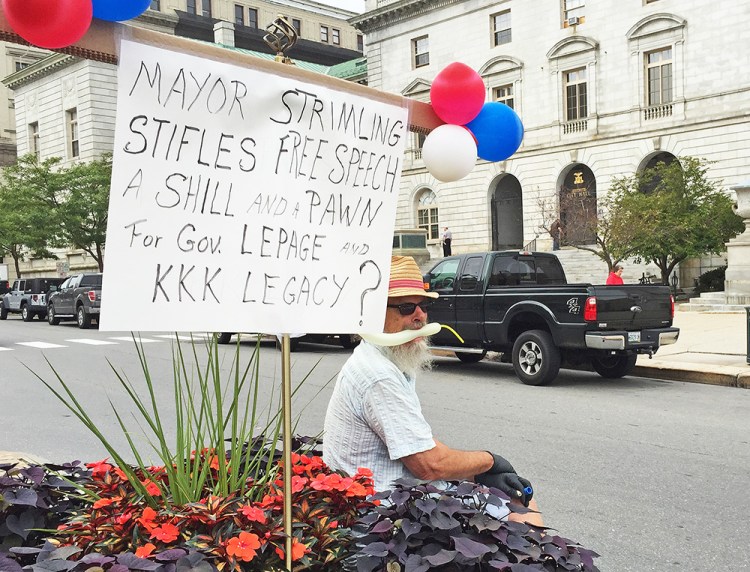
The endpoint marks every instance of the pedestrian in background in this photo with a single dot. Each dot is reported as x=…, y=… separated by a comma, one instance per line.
x=615, y=277
x=555, y=232
x=447, y=239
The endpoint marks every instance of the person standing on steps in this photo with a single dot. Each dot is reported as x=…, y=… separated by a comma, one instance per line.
x=555, y=232
x=447, y=239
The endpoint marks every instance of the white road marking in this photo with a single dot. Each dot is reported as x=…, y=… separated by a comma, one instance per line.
x=92, y=342
x=6, y=349
x=137, y=339
x=40, y=345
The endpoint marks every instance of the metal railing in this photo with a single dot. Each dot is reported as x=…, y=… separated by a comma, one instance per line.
x=530, y=246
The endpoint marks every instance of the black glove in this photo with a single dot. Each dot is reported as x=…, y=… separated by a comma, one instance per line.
x=503, y=476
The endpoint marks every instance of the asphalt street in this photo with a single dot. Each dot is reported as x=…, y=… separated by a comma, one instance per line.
x=651, y=474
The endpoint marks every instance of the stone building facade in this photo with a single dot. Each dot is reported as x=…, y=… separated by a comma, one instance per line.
x=604, y=90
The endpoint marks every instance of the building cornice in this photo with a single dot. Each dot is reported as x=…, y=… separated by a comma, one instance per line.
x=39, y=69
x=397, y=12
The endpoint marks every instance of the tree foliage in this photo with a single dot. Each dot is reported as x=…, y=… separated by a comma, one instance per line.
x=671, y=212
x=83, y=213
x=44, y=206
x=29, y=191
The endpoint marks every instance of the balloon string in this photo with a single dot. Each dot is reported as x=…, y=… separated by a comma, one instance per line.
x=455, y=333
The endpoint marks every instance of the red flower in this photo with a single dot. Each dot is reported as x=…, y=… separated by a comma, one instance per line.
x=144, y=551
x=166, y=533
x=298, y=484
x=151, y=488
x=244, y=546
x=99, y=468
x=298, y=550
x=101, y=503
x=253, y=514
x=123, y=518
x=147, y=518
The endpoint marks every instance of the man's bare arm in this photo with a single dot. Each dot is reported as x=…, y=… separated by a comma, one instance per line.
x=443, y=463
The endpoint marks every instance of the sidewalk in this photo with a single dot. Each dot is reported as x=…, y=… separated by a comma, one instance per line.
x=712, y=349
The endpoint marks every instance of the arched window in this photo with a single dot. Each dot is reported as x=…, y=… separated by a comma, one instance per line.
x=427, y=214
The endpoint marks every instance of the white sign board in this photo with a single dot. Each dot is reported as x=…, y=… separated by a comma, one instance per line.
x=245, y=201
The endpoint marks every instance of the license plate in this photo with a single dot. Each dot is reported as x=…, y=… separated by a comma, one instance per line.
x=634, y=337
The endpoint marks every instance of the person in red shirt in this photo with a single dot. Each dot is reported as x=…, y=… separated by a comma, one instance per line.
x=615, y=277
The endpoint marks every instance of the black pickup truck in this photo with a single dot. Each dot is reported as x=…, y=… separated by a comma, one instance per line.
x=520, y=304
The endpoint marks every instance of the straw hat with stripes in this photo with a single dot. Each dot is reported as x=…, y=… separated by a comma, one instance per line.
x=406, y=279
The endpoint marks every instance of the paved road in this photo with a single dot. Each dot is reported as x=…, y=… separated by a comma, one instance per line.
x=652, y=474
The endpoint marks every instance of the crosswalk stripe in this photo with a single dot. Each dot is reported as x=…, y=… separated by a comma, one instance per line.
x=137, y=339
x=91, y=342
x=6, y=349
x=40, y=345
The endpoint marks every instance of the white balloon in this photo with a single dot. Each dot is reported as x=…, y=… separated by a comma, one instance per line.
x=449, y=152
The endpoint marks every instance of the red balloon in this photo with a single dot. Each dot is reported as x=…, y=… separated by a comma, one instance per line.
x=457, y=94
x=49, y=23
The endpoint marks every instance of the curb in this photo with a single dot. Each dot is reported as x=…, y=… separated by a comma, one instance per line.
x=723, y=378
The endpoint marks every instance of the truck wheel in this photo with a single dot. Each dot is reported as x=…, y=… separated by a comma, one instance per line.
x=3, y=313
x=224, y=337
x=26, y=314
x=536, y=360
x=614, y=366
x=52, y=320
x=84, y=319
x=467, y=357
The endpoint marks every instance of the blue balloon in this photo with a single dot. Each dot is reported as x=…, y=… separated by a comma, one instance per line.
x=498, y=131
x=119, y=10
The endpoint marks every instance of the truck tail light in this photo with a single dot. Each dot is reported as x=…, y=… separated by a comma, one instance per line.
x=589, y=309
x=671, y=306
x=34, y=297
x=92, y=295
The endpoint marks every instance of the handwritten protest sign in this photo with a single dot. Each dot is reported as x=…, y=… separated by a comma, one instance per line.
x=243, y=200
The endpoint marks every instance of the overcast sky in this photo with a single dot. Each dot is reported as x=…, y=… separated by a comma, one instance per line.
x=353, y=5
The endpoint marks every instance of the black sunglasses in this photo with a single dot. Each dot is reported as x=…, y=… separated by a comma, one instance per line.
x=408, y=308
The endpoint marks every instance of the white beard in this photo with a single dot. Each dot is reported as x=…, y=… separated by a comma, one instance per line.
x=410, y=358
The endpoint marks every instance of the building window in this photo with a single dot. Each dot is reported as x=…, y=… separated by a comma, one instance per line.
x=34, y=139
x=191, y=7
x=501, y=28
x=324, y=34
x=336, y=37
x=72, y=120
x=421, y=51
x=207, y=8
x=575, y=95
x=573, y=12
x=360, y=43
x=659, y=77
x=427, y=215
x=20, y=65
x=155, y=5
x=239, y=15
x=297, y=25
x=252, y=18
x=504, y=94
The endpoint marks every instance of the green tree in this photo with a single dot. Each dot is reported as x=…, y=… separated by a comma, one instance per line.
x=606, y=245
x=83, y=213
x=29, y=194
x=671, y=212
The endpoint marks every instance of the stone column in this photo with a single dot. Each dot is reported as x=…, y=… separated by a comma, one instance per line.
x=737, y=280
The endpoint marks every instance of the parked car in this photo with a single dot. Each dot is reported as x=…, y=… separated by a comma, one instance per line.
x=28, y=297
x=347, y=341
x=520, y=304
x=78, y=298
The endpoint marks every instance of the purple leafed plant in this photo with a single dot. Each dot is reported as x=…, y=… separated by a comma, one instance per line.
x=422, y=528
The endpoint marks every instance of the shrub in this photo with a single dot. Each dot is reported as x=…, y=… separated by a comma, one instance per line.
x=713, y=280
x=420, y=528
